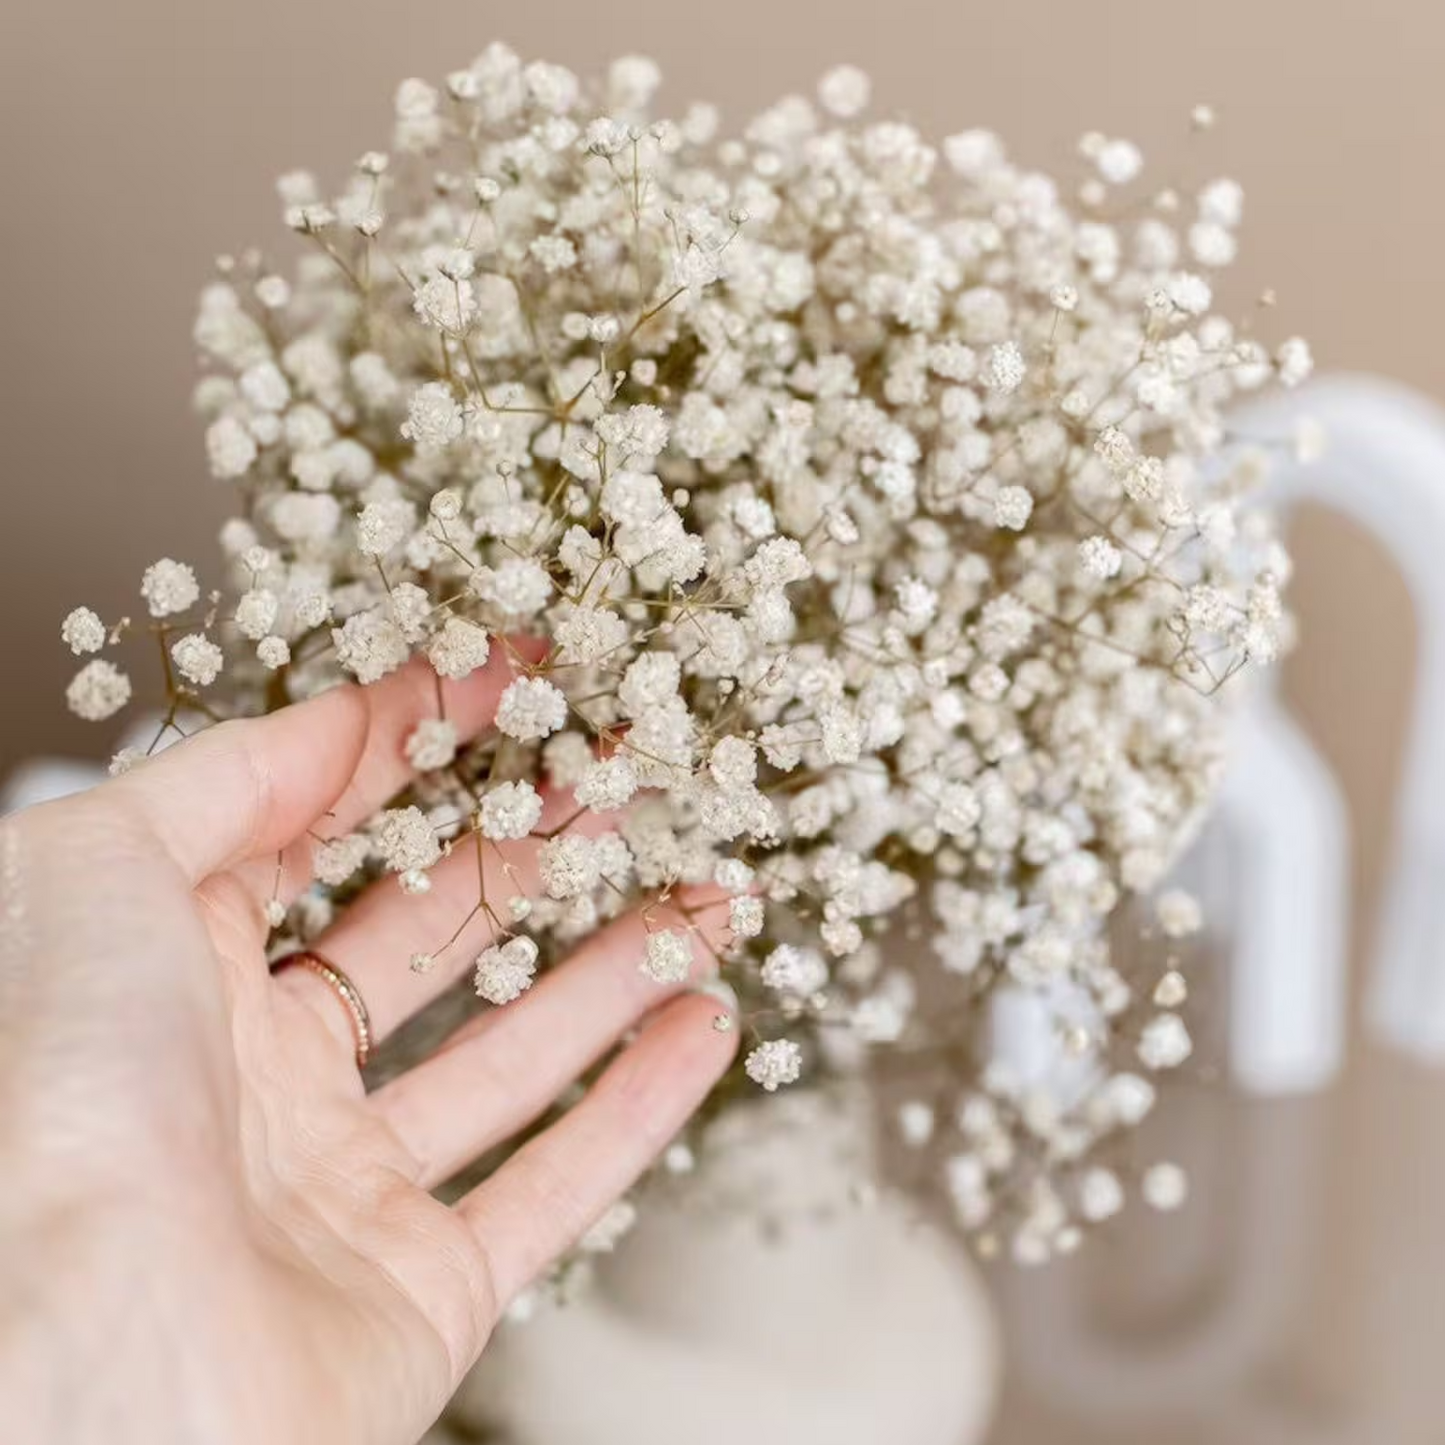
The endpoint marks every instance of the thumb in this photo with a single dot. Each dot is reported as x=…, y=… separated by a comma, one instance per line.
x=249, y=787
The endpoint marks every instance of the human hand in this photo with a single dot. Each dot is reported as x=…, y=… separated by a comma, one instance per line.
x=209, y=1231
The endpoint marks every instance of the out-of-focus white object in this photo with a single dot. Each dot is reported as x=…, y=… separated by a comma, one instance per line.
x=762, y=1302
x=44, y=780
x=1383, y=466
x=1274, y=865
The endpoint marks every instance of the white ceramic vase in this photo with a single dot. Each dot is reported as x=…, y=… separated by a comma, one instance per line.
x=760, y=1300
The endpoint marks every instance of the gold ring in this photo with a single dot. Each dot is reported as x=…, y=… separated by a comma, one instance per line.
x=343, y=988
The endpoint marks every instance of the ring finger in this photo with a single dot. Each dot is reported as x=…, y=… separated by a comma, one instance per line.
x=400, y=951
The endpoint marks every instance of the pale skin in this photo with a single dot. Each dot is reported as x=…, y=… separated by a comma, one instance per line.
x=209, y=1229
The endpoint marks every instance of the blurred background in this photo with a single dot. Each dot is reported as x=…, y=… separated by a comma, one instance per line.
x=140, y=140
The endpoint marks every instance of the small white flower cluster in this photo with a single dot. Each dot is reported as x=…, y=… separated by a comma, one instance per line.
x=505, y=971
x=872, y=502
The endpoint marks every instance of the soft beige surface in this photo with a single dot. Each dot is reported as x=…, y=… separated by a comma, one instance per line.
x=138, y=139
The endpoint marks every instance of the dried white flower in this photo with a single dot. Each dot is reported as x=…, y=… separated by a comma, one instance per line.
x=169, y=587
x=774, y=1063
x=916, y=1123
x=1101, y=1195
x=1128, y=1098
x=798, y=971
x=504, y=972
x=1164, y=1042
x=384, y=525
x=607, y=785
x=1171, y=991
x=231, y=448
x=510, y=810
x=337, y=859
x=553, y=253
x=1119, y=161
x=1006, y=369
x=1294, y=361
x=1100, y=558
x=273, y=652
x=531, y=707
x=569, y=865
x=668, y=956
x=406, y=840
x=431, y=744
x=609, y=1231
x=519, y=586
x=446, y=303
x=1164, y=1186
x=959, y=810
x=124, y=761
x=1179, y=913
x=844, y=91
x=1012, y=508
x=370, y=645
x=459, y=649
x=98, y=691
x=434, y=420
x=82, y=631
x=746, y=917
x=256, y=612
x=197, y=659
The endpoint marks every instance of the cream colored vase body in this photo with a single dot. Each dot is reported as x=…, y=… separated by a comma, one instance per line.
x=759, y=1301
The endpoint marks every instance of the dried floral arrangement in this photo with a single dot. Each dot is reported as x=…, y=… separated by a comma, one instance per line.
x=858, y=519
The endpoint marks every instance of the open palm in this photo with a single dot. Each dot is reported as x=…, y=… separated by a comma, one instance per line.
x=214, y=1232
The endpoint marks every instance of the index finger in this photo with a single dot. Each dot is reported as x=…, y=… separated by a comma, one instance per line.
x=247, y=789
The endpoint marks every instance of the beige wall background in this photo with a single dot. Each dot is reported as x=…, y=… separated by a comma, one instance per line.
x=138, y=140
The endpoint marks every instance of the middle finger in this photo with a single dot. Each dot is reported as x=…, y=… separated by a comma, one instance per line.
x=375, y=940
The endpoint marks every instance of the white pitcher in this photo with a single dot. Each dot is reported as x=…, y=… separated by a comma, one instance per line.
x=759, y=1298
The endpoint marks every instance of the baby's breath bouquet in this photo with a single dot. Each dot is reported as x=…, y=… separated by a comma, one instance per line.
x=858, y=522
